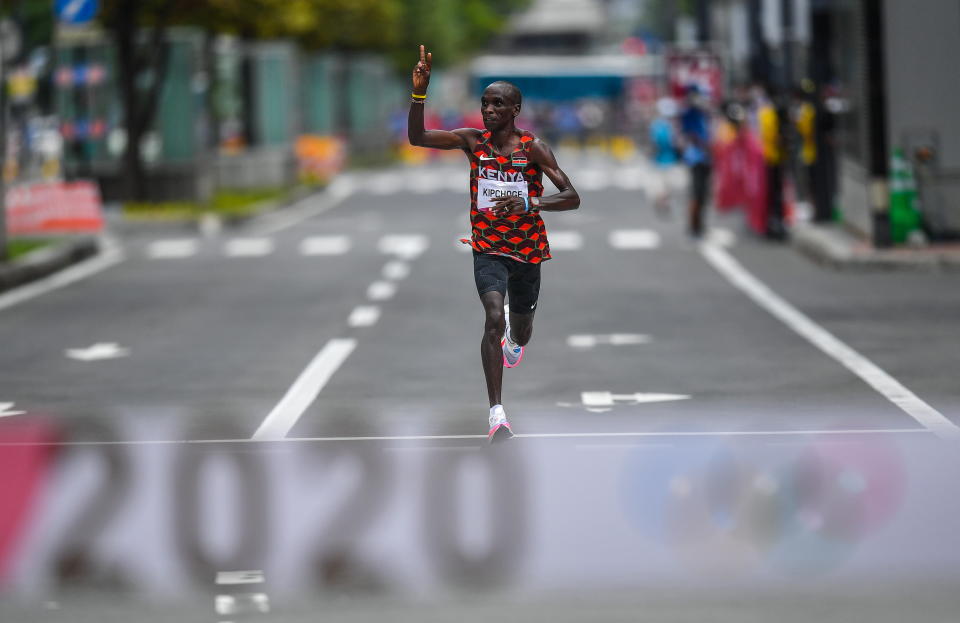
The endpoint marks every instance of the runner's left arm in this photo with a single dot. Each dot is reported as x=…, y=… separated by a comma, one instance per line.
x=566, y=199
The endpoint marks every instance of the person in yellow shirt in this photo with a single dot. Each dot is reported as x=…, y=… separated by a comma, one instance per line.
x=769, y=116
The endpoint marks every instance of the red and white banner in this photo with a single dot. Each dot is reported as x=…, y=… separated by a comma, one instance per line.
x=54, y=208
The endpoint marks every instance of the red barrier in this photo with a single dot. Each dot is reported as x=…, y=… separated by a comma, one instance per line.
x=54, y=208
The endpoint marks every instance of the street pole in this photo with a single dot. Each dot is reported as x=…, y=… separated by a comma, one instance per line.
x=3, y=156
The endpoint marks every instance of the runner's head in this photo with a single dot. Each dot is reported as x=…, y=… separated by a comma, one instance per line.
x=500, y=105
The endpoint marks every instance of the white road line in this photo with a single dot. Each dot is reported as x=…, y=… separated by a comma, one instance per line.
x=338, y=191
x=172, y=249
x=396, y=270
x=405, y=246
x=592, y=179
x=227, y=578
x=425, y=183
x=565, y=240
x=634, y=239
x=614, y=339
x=6, y=409
x=869, y=372
x=638, y=434
x=110, y=255
x=248, y=247
x=381, y=290
x=722, y=237
x=364, y=316
x=325, y=245
x=304, y=390
x=384, y=184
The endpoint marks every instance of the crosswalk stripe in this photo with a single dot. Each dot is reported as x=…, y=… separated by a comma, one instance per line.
x=592, y=179
x=406, y=246
x=565, y=240
x=383, y=184
x=249, y=247
x=172, y=249
x=325, y=245
x=634, y=239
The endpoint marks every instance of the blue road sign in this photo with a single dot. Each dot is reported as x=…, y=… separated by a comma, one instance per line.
x=75, y=11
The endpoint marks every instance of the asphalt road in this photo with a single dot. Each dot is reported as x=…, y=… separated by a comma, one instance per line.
x=655, y=390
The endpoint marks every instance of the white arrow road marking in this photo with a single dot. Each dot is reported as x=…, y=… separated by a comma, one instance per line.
x=405, y=246
x=249, y=247
x=565, y=240
x=614, y=339
x=634, y=239
x=5, y=409
x=325, y=245
x=381, y=290
x=172, y=249
x=100, y=350
x=396, y=270
x=604, y=401
x=304, y=390
x=364, y=316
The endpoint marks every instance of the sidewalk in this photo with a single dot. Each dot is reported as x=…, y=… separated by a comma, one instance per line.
x=832, y=245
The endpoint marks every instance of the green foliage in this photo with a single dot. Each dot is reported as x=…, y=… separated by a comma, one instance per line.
x=21, y=246
x=452, y=29
x=227, y=202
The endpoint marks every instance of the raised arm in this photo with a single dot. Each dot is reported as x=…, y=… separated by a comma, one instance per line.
x=568, y=198
x=463, y=138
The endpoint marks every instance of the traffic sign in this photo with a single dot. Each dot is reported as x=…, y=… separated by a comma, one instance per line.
x=76, y=12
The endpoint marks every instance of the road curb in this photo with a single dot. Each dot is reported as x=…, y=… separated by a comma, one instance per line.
x=46, y=261
x=833, y=246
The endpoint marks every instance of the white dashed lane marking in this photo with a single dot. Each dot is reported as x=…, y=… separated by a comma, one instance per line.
x=628, y=239
x=249, y=247
x=381, y=290
x=172, y=249
x=396, y=270
x=405, y=246
x=325, y=245
x=364, y=316
x=565, y=240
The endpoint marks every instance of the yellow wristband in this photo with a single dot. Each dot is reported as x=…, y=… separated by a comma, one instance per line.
x=419, y=97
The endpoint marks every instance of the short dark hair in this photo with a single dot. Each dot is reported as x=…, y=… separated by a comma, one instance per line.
x=512, y=91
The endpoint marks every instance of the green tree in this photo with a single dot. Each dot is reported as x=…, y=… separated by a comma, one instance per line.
x=453, y=29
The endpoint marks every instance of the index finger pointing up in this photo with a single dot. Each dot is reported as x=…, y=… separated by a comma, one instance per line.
x=423, y=58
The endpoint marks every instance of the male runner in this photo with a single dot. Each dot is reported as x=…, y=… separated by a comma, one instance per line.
x=508, y=237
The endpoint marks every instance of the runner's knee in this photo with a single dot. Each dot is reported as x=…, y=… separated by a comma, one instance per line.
x=495, y=323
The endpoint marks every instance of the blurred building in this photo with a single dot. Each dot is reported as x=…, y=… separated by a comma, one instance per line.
x=884, y=70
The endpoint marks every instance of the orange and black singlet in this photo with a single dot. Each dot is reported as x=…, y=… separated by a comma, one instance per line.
x=492, y=176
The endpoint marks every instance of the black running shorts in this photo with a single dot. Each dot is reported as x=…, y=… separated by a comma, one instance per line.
x=521, y=280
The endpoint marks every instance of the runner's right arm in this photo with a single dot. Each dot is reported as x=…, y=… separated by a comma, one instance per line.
x=463, y=138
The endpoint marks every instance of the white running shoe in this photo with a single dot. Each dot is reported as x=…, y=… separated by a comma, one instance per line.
x=512, y=352
x=499, y=426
